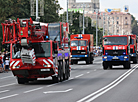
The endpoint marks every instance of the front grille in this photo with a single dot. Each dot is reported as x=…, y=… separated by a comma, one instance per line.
x=115, y=52
x=75, y=52
x=131, y=50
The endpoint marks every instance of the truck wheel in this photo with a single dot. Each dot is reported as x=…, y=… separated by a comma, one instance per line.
x=66, y=75
x=110, y=67
x=56, y=79
x=135, y=61
x=105, y=66
x=127, y=65
x=61, y=71
x=91, y=59
x=88, y=60
x=75, y=62
x=22, y=80
x=71, y=62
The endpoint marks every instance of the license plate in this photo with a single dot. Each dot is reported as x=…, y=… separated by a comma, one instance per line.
x=45, y=69
x=115, y=57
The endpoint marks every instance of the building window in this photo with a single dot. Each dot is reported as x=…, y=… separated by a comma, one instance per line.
x=125, y=17
x=117, y=17
x=117, y=22
x=117, y=31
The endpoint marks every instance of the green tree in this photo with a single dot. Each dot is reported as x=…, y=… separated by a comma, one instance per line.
x=75, y=29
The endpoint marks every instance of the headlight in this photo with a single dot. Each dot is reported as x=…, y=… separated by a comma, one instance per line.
x=85, y=55
x=105, y=57
x=132, y=55
x=47, y=65
x=70, y=55
x=125, y=57
x=15, y=67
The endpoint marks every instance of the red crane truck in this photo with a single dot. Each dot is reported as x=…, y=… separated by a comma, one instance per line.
x=81, y=48
x=133, y=49
x=116, y=51
x=36, y=50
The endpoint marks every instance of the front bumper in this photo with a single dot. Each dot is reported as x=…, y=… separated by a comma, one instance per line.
x=116, y=58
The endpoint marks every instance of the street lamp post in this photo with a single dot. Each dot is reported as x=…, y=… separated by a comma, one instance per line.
x=36, y=10
x=67, y=11
x=103, y=22
x=96, y=28
x=83, y=17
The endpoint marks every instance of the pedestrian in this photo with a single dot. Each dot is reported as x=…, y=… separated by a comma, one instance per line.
x=7, y=63
x=4, y=58
x=1, y=69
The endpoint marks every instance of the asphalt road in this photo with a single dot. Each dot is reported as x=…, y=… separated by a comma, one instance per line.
x=88, y=83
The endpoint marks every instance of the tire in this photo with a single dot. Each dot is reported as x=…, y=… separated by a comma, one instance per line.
x=71, y=62
x=75, y=62
x=22, y=80
x=61, y=71
x=88, y=60
x=105, y=66
x=66, y=75
x=127, y=65
x=56, y=79
x=110, y=66
x=91, y=59
x=135, y=61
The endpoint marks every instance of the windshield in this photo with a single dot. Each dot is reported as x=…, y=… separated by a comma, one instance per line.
x=54, y=31
x=115, y=41
x=78, y=43
x=40, y=49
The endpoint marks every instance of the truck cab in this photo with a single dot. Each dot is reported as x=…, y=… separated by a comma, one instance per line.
x=116, y=51
x=81, y=48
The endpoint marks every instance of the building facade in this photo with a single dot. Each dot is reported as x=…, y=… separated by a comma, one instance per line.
x=89, y=6
x=113, y=23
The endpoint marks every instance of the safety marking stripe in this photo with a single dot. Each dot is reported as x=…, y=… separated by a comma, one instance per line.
x=50, y=61
x=11, y=63
x=16, y=63
x=45, y=61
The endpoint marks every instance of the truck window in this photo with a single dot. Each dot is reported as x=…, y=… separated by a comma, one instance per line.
x=54, y=31
x=74, y=43
x=82, y=43
x=115, y=41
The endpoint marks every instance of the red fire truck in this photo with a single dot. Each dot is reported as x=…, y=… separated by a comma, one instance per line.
x=116, y=51
x=81, y=48
x=133, y=49
x=36, y=50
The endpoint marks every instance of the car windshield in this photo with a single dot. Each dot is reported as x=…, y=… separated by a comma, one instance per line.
x=115, y=41
x=78, y=43
x=41, y=49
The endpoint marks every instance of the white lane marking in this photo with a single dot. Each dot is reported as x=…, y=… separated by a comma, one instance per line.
x=33, y=90
x=8, y=96
x=4, y=91
x=79, y=75
x=52, y=85
x=88, y=72
x=82, y=100
x=57, y=91
x=7, y=85
x=95, y=69
x=6, y=77
x=91, y=99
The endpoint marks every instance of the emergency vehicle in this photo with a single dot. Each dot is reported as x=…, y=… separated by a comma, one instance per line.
x=81, y=48
x=116, y=51
x=36, y=50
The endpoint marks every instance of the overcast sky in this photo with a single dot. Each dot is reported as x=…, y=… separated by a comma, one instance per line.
x=133, y=4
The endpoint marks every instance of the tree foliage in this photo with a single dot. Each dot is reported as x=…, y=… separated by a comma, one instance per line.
x=76, y=29
x=134, y=26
